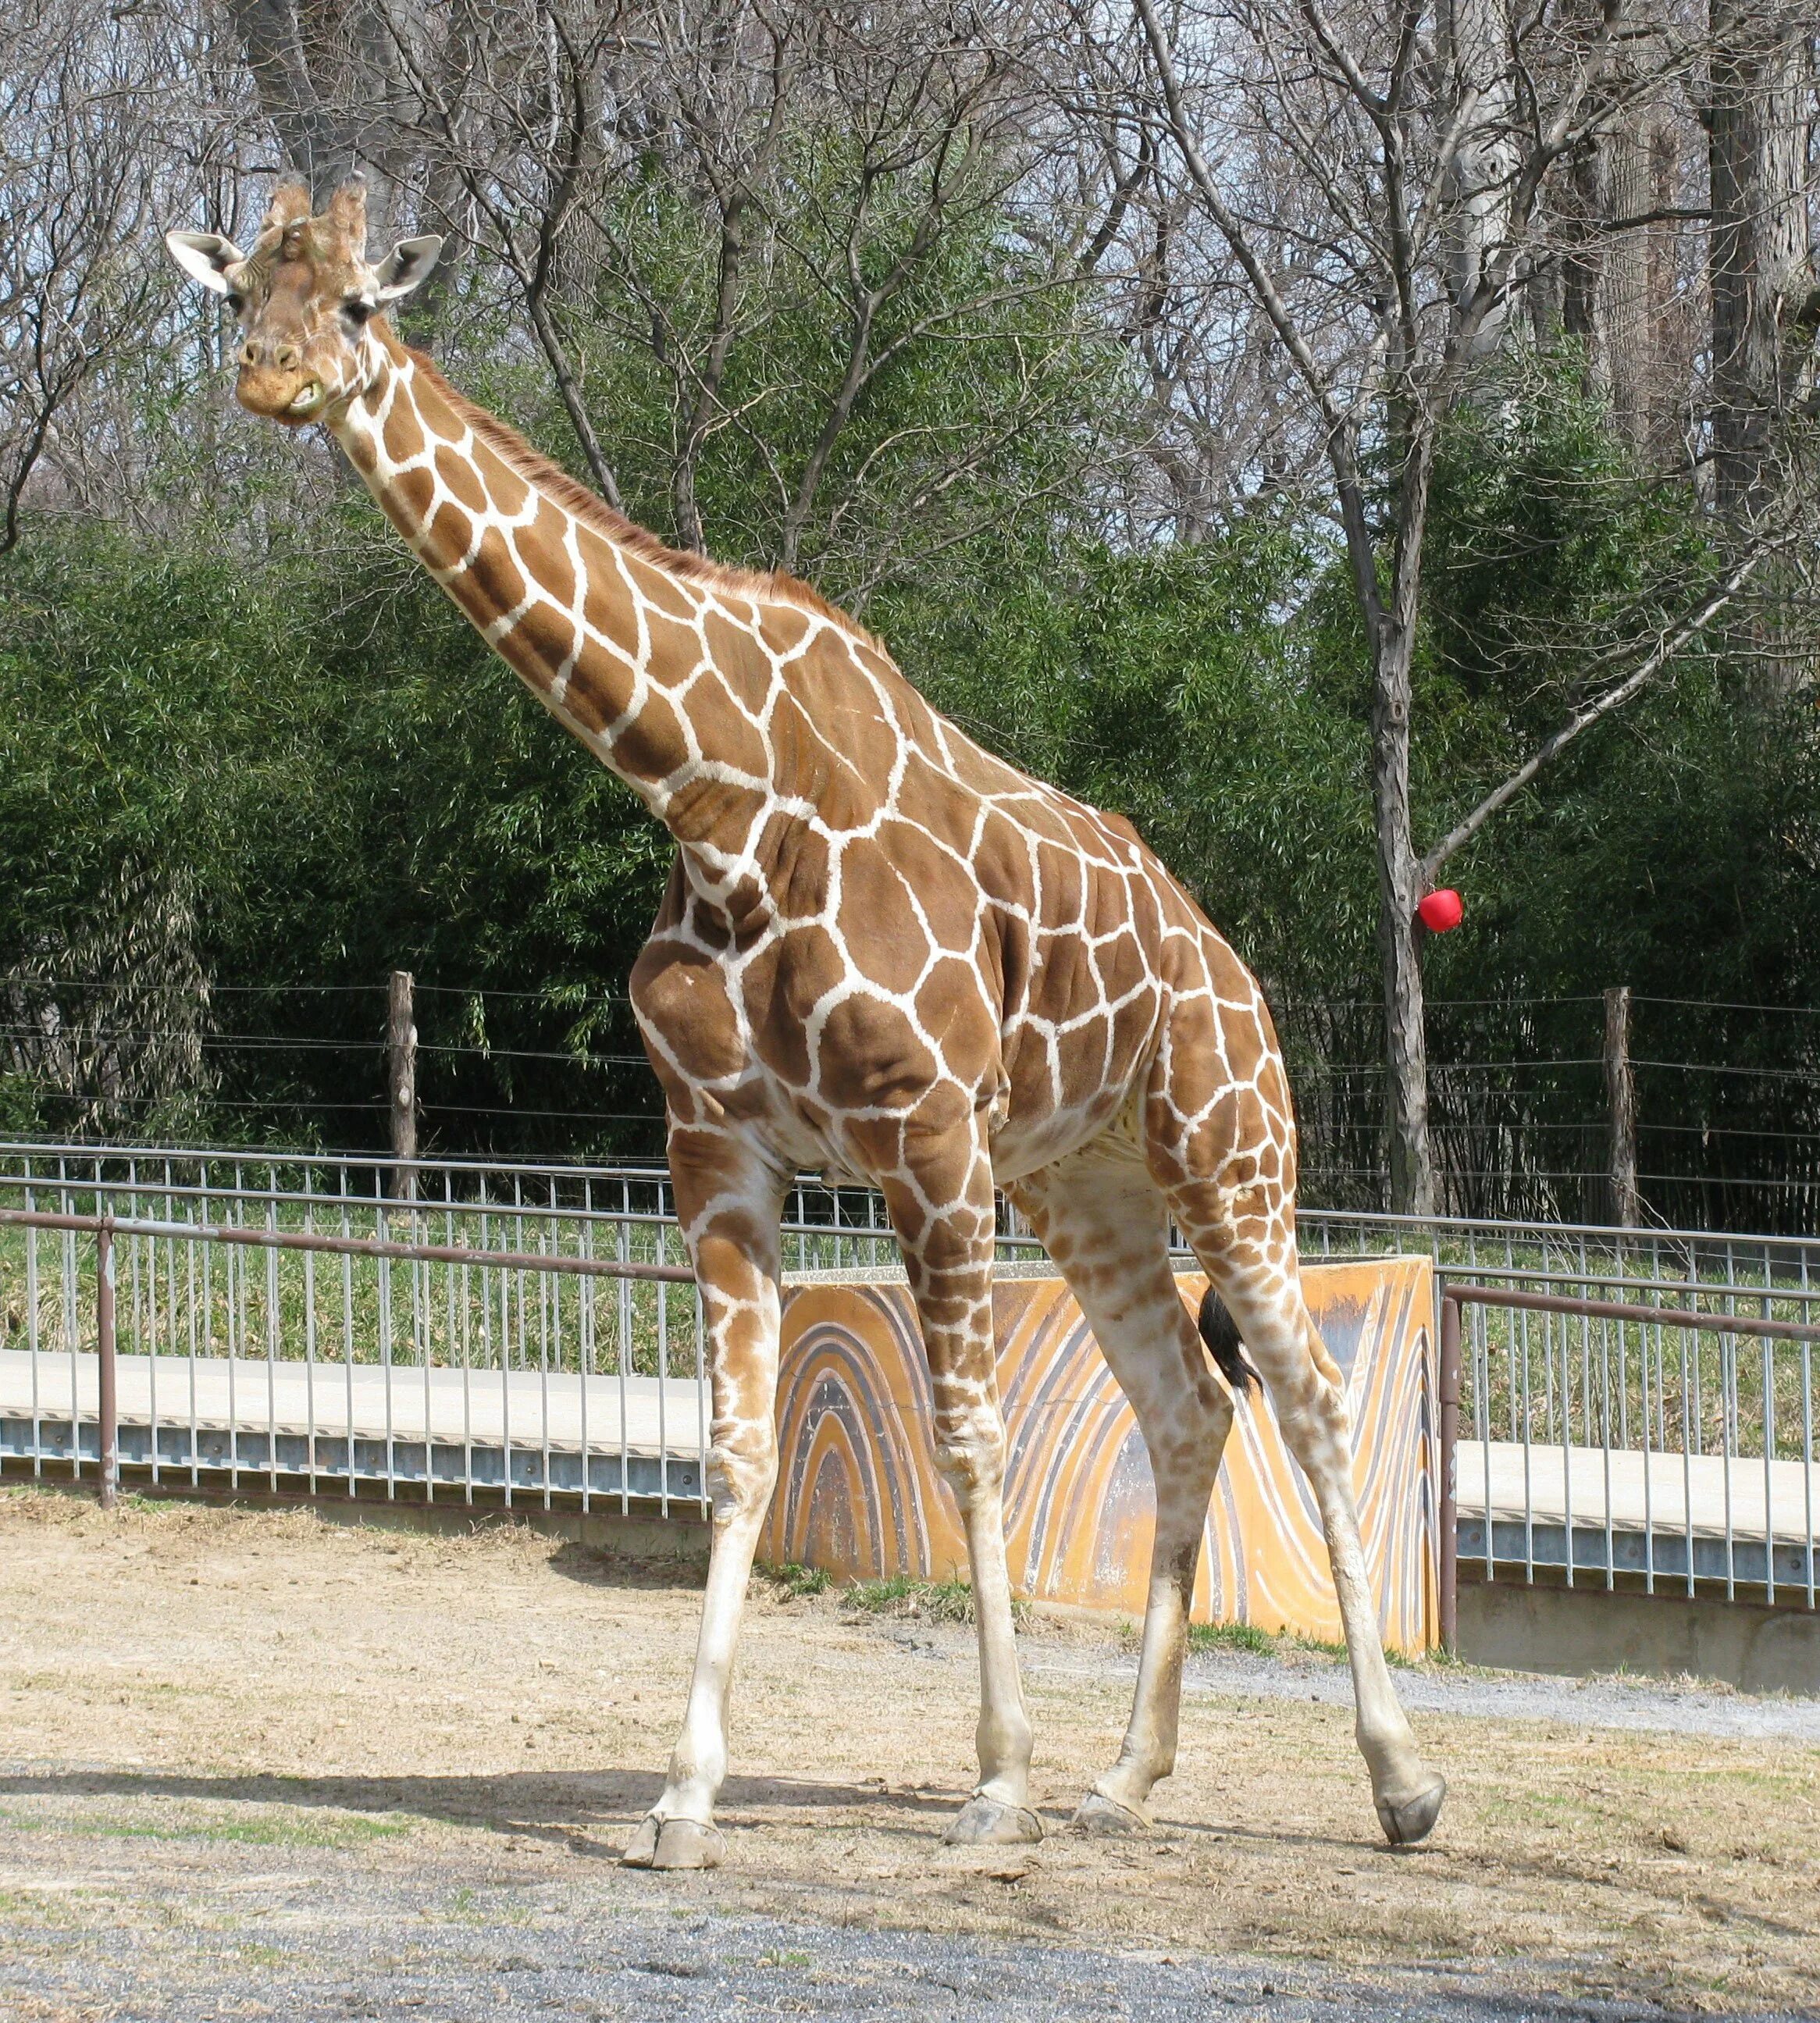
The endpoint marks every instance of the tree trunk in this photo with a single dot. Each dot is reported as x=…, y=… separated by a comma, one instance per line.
x=1757, y=151
x=1412, y=1190
x=1475, y=35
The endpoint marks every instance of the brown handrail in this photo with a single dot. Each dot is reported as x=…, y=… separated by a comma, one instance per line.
x=1454, y=1297
x=353, y=1246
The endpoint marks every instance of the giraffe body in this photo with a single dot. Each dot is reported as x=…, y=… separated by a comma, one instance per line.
x=883, y=953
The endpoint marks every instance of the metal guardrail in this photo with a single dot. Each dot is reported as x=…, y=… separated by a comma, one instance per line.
x=524, y=1332
x=489, y=1343
x=1629, y=1520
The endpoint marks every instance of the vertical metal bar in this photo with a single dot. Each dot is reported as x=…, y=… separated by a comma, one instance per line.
x=1449, y=1397
x=1769, y=1465
x=449, y=1270
x=70, y=1328
x=1520, y=1326
x=1807, y=1454
x=1605, y=1443
x=422, y=1328
x=584, y=1312
x=348, y=1340
x=547, y=1234
x=1727, y=1440
x=31, y=1342
x=1567, y=1425
x=152, y=1257
x=624, y=1361
x=1689, y=1434
x=382, y=1226
x=272, y=1330
x=108, y=1431
x=1649, y=1485
x=310, y=1329
x=189, y=1249
x=701, y=1402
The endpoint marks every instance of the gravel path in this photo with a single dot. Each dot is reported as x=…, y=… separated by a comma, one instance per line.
x=1604, y=1702
x=329, y=1939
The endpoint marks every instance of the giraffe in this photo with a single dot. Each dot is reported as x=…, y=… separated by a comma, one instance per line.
x=882, y=952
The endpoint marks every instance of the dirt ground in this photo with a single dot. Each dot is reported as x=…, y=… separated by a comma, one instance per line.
x=189, y=1691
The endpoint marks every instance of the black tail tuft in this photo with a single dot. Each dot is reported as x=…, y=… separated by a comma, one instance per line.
x=1220, y=1332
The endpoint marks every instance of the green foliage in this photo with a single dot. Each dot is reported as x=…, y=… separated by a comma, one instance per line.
x=343, y=781
x=1170, y=686
x=981, y=361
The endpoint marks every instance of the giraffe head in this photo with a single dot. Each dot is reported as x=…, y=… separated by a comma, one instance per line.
x=305, y=296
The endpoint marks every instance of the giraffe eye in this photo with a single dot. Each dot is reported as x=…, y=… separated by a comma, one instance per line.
x=356, y=311
x=235, y=304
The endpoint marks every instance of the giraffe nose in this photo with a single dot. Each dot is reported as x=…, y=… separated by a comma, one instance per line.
x=284, y=357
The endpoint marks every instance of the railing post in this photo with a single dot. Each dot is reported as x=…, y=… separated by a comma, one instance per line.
x=1449, y=1390
x=110, y=1410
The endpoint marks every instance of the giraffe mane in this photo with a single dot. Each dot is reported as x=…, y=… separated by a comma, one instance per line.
x=760, y=585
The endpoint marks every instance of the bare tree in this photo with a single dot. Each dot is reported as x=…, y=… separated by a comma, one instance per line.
x=1387, y=190
x=78, y=110
x=675, y=198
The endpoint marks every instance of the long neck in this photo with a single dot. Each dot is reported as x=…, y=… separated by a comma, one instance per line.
x=580, y=606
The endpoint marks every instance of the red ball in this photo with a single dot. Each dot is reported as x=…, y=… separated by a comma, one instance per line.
x=1441, y=911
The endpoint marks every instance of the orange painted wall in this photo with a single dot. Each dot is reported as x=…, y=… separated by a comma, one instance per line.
x=858, y=1493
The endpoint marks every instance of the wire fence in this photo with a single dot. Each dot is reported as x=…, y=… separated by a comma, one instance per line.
x=1727, y=1095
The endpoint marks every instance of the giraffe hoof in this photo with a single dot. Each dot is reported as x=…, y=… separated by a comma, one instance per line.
x=1412, y=1819
x=986, y=1822
x=678, y=1843
x=1098, y=1814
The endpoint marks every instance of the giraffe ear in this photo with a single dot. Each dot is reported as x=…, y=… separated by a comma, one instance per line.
x=205, y=257
x=406, y=266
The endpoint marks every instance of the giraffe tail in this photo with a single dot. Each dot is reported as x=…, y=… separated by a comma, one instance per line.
x=1220, y=1332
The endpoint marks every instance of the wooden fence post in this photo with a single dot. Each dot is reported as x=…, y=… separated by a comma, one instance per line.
x=401, y=1082
x=1621, y=1092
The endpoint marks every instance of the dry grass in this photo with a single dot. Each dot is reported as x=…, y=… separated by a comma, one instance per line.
x=209, y=1676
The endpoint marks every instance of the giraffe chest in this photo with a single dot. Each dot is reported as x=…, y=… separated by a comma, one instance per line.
x=854, y=998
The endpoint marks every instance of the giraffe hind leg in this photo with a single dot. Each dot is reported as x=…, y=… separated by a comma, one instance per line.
x=1255, y=1267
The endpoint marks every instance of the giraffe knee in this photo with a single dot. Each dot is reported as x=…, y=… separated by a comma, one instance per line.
x=741, y=1468
x=970, y=1450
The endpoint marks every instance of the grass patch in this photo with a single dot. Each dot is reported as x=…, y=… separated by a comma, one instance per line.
x=1231, y=1636
x=921, y=1600
x=1258, y=1643
x=794, y=1583
x=346, y=1829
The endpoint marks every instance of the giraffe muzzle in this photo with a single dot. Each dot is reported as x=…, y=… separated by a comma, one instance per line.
x=281, y=395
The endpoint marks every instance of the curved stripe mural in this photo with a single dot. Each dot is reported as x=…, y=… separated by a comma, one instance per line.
x=858, y=1493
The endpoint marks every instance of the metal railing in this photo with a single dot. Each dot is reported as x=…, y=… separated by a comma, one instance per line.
x=532, y=1333
x=1629, y=1438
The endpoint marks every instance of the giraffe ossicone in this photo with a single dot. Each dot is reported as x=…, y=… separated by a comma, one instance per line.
x=884, y=952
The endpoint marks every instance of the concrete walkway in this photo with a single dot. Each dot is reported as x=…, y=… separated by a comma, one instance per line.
x=487, y=1408
x=1652, y=1491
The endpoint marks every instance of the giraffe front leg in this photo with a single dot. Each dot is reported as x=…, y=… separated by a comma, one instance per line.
x=1103, y=1221
x=942, y=1210
x=729, y=1207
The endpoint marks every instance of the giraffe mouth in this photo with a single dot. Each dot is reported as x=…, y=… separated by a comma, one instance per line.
x=306, y=403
